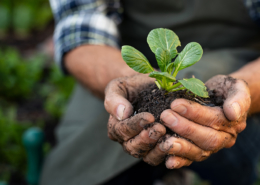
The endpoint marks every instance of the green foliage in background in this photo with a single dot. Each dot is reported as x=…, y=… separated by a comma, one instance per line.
x=11, y=149
x=23, y=79
x=23, y=16
x=57, y=92
x=18, y=76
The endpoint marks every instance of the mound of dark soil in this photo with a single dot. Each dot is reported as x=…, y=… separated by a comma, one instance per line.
x=155, y=101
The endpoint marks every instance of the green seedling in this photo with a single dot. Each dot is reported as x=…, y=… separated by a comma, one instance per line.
x=164, y=43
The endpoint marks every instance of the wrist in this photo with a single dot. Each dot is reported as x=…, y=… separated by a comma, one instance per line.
x=96, y=65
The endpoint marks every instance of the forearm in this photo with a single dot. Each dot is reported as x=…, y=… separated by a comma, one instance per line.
x=95, y=66
x=250, y=73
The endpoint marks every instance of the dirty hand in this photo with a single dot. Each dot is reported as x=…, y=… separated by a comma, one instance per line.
x=130, y=131
x=209, y=128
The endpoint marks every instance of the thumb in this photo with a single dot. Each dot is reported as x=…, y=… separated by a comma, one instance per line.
x=238, y=101
x=116, y=102
x=121, y=91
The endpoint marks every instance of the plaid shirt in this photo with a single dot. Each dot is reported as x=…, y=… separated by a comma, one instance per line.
x=81, y=22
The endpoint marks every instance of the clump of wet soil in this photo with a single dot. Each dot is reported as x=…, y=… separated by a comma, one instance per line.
x=155, y=101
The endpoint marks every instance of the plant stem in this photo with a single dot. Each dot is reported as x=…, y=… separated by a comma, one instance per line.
x=164, y=82
x=175, y=73
x=178, y=89
x=174, y=86
x=158, y=84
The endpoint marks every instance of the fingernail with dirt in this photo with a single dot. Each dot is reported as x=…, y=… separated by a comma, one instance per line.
x=153, y=134
x=120, y=112
x=237, y=109
x=143, y=123
x=175, y=164
x=170, y=120
x=180, y=109
x=165, y=146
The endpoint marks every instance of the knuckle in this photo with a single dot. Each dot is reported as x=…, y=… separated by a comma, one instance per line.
x=110, y=136
x=241, y=127
x=203, y=155
x=215, y=142
x=230, y=143
x=187, y=131
x=188, y=163
x=143, y=138
x=121, y=130
x=216, y=122
x=107, y=102
x=149, y=161
x=196, y=116
x=128, y=148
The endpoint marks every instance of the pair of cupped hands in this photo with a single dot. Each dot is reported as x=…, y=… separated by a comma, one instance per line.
x=204, y=130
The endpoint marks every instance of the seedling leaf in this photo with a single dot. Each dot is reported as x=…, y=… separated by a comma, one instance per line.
x=190, y=55
x=164, y=39
x=196, y=86
x=161, y=75
x=136, y=60
x=169, y=68
x=163, y=58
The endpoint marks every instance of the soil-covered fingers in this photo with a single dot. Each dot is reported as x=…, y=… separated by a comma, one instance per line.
x=236, y=93
x=171, y=145
x=156, y=155
x=204, y=137
x=175, y=162
x=124, y=130
x=208, y=116
x=121, y=92
x=140, y=145
x=183, y=148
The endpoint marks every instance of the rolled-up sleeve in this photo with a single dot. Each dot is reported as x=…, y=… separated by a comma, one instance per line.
x=81, y=22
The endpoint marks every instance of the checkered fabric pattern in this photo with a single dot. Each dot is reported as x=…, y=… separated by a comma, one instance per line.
x=81, y=22
x=254, y=9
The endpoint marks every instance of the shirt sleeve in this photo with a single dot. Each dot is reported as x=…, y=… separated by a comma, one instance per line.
x=81, y=22
x=253, y=7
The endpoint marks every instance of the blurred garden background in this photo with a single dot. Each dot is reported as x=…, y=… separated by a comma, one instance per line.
x=33, y=91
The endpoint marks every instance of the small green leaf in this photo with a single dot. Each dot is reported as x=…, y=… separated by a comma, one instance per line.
x=164, y=39
x=163, y=58
x=169, y=68
x=190, y=55
x=136, y=60
x=161, y=75
x=196, y=86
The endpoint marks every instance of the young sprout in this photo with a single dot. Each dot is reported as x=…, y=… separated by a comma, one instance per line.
x=164, y=43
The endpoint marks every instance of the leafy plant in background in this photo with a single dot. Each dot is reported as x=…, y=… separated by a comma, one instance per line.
x=57, y=92
x=164, y=43
x=18, y=76
x=21, y=81
x=20, y=16
x=11, y=149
